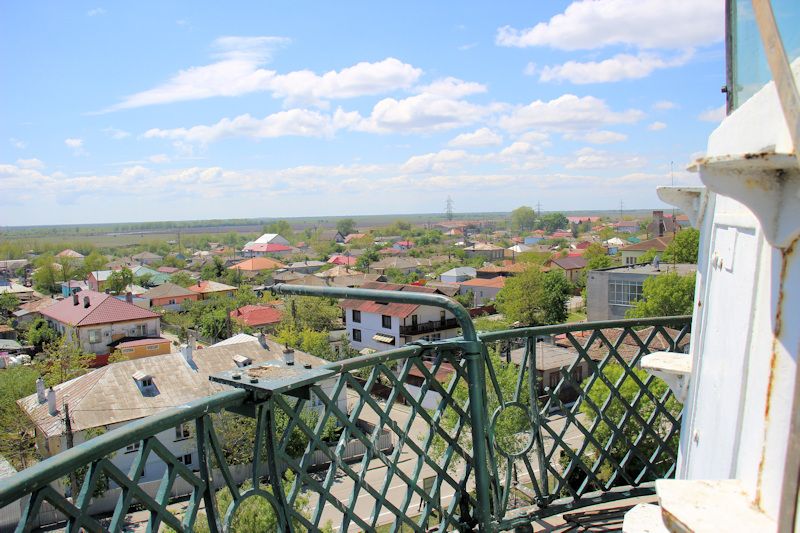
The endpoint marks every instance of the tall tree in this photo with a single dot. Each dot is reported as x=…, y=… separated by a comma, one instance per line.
x=45, y=277
x=346, y=226
x=523, y=218
x=8, y=302
x=683, y=248
x=17, y=432
x=553, y=221
x=64, y=360
x=534, y=297
x=94, y=261
x=668, y=294
x=40, y=333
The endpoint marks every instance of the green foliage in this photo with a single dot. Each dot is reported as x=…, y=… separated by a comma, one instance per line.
x=45, y=277
x=281, y=227
x=523, y=218
x=485, y=324
x=552, y=222
x=466, y=300
x=8, y=302
x=309, y=312
x=213, y=270
x=668, y=294
x=395, y=275
x=182, y=278
x=63, y=360
x=346, y=226
x=94, y=261
x=40, y=333
x=684, y=247
x=648, y=256
x=307, y=340
x=119, y=279
x=534, y=298
x=599, y=394
x=16, y=429
x=369, y=256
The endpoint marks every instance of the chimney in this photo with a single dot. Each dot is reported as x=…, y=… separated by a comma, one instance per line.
x=129, y=297
x=51, y=402
x=186, y=352
x=75, y=298
x=86, y=302
x=658, y=219
x=191, y=341
x=41, y=395
x=288, y=356
x=262, y=340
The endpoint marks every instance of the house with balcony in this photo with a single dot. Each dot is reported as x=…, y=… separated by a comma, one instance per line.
x=382, y=325
x=97, y=320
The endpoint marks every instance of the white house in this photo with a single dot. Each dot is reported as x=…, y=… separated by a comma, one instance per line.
x=458, y=274
x=383, y=326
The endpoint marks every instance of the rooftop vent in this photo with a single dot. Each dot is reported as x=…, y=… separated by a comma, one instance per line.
x=143, y=378
x=242, y=361
x=51, y=402
x=86, y=302
x=75, y=299
x=288, y=356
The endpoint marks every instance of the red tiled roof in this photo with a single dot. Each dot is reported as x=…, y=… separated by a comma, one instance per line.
x=203, y=287
x=497, y=282
x=103, y=309
x=257, y=263
x=257, y=315
x=583, y=245
x=659, y=244
x=267, y=248
x=143, y=342
x=391, y=309
x=389, y=251
x=343, y=260
x=167, y=270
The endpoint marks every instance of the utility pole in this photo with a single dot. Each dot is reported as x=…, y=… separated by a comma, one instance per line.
x=448, y=211
x=538, y=209
x=621, y=205
x=73, y=481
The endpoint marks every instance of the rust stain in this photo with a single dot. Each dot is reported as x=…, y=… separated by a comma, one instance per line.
x=786, y=255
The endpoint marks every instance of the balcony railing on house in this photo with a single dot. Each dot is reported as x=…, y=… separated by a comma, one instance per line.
x=429, y=327
x=487, y=442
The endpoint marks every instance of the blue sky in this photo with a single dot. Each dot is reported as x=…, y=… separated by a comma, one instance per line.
x=189, y=110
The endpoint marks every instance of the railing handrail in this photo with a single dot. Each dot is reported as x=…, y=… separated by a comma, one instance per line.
x=61, y=465
x=535, y=331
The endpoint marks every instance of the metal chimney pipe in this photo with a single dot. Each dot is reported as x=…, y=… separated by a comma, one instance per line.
x=51, y=402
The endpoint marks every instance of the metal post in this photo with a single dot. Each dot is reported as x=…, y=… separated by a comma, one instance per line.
x=73, y=480
x=476, y=380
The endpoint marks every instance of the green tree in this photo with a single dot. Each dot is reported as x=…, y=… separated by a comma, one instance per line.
x=534, y=297
x=553, y=221
x=45, y=277
x=309, y=312
x=369, y=256
x=66, y=268
x=64, y=360
x=94, y=261
x=8, y=302
x=40, y=333
x=684, y=247
x=613, y=413
x=346, y=226
x=181, y=278
x=668, y=294
x=16, y=429
x=281, y=227
x=523, y=218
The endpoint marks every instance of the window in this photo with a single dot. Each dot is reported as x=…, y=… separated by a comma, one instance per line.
x=555, y=377
x=577, y=374
x=630, y=260
x=186, y=459
x=130, y=448
x=141, y=330
x=357, y=335
x=171, y=301
x=624, y=292
x=182, y=431
x=386, y=321
x=94, y=336
x=147, y=382
x=356, y=316
x=153, y=347
x=127, y=350
x=442, y=317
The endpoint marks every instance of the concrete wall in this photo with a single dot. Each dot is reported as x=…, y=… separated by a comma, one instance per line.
x=117, y=330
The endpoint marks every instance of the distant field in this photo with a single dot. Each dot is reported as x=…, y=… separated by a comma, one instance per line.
x=130, y=234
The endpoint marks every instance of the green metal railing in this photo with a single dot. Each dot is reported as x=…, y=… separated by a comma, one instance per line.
x=489, y=432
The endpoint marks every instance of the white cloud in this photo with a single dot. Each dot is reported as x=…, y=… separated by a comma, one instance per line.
x=619, y=67
x=96, y=11
x=16, y=143
x=433, y=162
x=596, y=137
x=421, y=113
x=567, y=113
x=535, y=137
x=592, y=24
x=664, y=105
x=361, y=79
x=115, y=133
x=452, y=88
x=30, y=163
x=716, y=114
x=478, y=138
x=238, y=71
x=596, y=159
x=76, y=145
x=293, y=122
x=159, y=158
x=656, y=126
